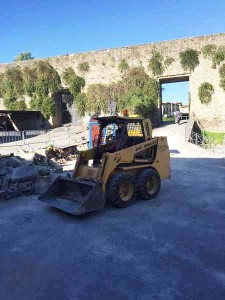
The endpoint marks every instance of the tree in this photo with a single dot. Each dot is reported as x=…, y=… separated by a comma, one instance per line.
x=140, y=93
x=97, y=98
x=24, y=56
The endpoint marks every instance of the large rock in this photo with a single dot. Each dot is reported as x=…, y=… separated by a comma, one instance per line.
x=22, y=174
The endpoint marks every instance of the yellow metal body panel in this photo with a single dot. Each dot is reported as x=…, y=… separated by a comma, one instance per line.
x=126, y=160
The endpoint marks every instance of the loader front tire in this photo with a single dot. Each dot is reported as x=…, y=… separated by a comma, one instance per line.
x=121, y=190
x=148, y=184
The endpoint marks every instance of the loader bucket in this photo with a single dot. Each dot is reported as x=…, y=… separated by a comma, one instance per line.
x=74, y=196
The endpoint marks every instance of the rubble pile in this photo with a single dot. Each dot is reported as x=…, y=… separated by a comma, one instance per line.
x=62, y=155
x=17, y=177
x=33, y=172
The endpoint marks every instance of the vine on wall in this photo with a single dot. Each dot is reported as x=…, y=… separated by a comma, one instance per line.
x=155, y=63
x=39, y=82
x=123, y=66
x=189, y=59
x=222, y=76
x=205, y=92
x=218, y=57
x=75, y=84
x=208, y=50
x=84, y=67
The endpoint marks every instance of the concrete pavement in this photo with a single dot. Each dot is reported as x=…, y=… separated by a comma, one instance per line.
x=170, y=248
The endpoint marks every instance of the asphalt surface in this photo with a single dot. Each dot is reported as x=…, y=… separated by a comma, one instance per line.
x=170, y=248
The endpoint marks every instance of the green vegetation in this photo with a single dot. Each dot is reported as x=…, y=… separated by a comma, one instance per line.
x=84, y=67
x=218, y=56
x=11, y=87
x=40, y=83
x=205, y=92
x=216, y=137
x=189, y=59
x=24, y=56
x=97, y=98
x=47, y=84
x=123, y=66
x=48, y=107
x=222, y=76
x=168, y=61
x=168, y=119
x=75, y=84
x=208, y=50
x=222, y=71
x=138, y=93
x=80, y=103
x=155, y=63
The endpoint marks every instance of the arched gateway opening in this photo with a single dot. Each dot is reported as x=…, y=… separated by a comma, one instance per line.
x=174, y=96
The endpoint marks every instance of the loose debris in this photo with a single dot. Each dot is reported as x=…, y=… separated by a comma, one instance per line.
x=63, y=154
x=21, y=176
x=16, y=177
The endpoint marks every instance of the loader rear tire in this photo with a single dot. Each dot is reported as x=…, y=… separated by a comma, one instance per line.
x=121, y=190
x=148, y=184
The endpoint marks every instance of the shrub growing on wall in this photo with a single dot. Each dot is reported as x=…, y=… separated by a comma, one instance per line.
x=208, y=50
x=11, y=86
x=97, y=98
x=24, y=56
x=222, y=76
x=30, y=79
x=81, y=104
x=168, y=61
x=48, y=107
x=20, y=105
x=219, y=56
x=47, y=84
x=205, y=92
x=123, y=66
x=189, y=59
x=222, y=71
x=155, y=63
x=39, y=83
x=75, y=84
x=140, y=93
x=83, y=67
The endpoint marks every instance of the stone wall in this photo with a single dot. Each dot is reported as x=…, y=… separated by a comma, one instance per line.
x=104, y=69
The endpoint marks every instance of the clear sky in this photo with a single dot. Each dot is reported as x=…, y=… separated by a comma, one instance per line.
x=176, y=92
x=54, y=27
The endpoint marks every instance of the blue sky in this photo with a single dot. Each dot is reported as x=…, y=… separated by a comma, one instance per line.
x=48, y=28
x=176, y=92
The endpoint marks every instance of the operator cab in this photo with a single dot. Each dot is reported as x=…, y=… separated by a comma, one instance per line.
x=122, y=132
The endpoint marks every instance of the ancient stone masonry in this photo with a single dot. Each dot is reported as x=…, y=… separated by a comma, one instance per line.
x=103, y=68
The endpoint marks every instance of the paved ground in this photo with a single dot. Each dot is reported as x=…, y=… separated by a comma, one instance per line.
x=170, y=248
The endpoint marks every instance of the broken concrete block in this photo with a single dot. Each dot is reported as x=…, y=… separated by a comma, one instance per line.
x=3, y=171
x=3, y=195
x=6, y=181
x=54, y=164
x=39, y=159
x=22, y=174
x=12, y=192
x=14, y=161
x=27, y=186
x=43, y=171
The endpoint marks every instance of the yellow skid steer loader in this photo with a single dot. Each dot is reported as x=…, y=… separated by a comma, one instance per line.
x=126, y=162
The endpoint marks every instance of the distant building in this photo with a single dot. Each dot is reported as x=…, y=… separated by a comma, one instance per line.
x=168, y=108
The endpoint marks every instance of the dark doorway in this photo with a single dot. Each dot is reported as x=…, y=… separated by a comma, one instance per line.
x=67, y=106
x=69, y=114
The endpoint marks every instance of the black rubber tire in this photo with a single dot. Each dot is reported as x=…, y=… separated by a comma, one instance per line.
x=113, y=188
x=142, y=179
